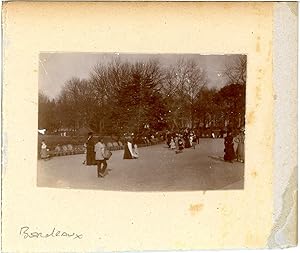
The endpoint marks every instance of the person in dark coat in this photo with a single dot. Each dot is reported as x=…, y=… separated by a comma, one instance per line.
x=90, y=152
x=180, y=146
x=229, y=147
x=128, y=154
x=168, y=137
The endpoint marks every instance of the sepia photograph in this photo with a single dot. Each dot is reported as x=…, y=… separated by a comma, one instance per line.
x=149, y=126
x=141, y=122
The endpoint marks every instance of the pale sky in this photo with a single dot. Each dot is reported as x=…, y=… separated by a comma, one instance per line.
x=57, y=68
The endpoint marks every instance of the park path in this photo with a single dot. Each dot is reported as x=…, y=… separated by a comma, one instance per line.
x=157, y=169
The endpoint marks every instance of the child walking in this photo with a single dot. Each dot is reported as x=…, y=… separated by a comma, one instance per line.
x=180, y=146
x=101, y=161
x=172, y=144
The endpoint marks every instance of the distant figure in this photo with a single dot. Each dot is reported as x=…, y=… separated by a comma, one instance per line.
x=84, y=151
x=176, y=141
x=99, y=157
x=90, y=153
x=191, y=139
x=186, y=139
x=128, y=154
x=229, y=147
x=194, y=141
x=180, y=146
x=135, y=151
x=57, y=150
x=44, y=151
x=240, y=152
x=172, y=144
x=198, y=134
x=168, y=137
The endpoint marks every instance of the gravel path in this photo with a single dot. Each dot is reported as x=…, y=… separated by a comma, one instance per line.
x=157, y=169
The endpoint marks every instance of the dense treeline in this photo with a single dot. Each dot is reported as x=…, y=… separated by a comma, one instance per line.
x=124, y=97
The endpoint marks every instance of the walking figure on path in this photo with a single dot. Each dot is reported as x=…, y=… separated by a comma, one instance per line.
x=240, y=151
x=128, y=152
x=172, y=144
x=90, y=152
x=180, y=146
x=194, y=141
x=135, y=151
x=100, y=157
x=229, y=147
x=44, y=151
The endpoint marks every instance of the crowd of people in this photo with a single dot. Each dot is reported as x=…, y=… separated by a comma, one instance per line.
x=97, y=153
x=188, y=138
x=181, y=139
x=230, y=153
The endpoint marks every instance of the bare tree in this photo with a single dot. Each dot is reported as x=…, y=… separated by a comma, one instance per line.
x=182, y=84
x=236, y=72
x=75, y=102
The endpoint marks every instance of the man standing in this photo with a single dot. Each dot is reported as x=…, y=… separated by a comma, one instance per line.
x=90, y=153
x=99, y=150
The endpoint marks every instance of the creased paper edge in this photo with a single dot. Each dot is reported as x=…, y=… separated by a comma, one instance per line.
x=284, y=233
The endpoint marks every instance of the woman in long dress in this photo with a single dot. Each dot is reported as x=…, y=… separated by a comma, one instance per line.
x=191, y=137
x=229, y=148
x=240, y=151
x=128, y=153
x=180, y=146
x=44, y=151
x=172, y=144
x=135, y=151
x=90, y=152
x=186, y=138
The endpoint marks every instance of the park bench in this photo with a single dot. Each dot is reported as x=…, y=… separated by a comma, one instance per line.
x=120, y=144
x=116, y=146
x=57, y=151
x=65, y=150
x=109, y=146
x=79, y=149
x=70, y=149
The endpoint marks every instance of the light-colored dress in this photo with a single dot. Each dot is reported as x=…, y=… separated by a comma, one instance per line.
x=172, y=144
x=44, y=152
x=191, y=140
x=240, y=151
x=99, y=150
x=135, y=151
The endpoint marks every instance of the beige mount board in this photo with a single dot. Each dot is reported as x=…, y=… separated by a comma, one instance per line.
x=259, y=216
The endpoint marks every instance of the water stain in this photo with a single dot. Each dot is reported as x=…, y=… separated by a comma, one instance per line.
x=258, y=93
x=251, y=240
x=254, y=174
x=269, y=51
x=195, y=209
x=258, y=44
x=250, y=117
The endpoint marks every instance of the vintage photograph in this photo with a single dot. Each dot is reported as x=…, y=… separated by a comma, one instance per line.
x=141, y=122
